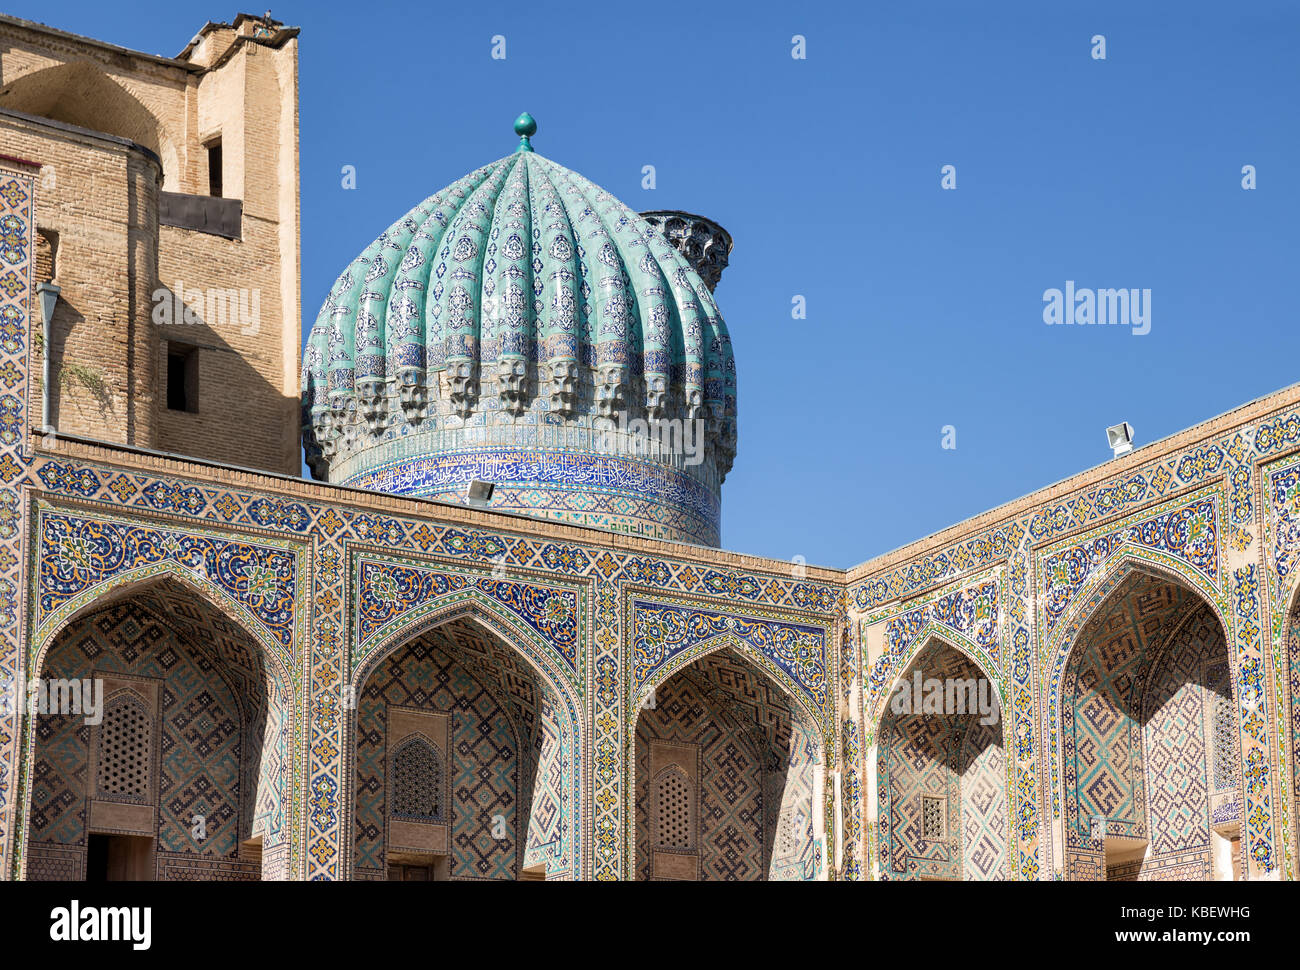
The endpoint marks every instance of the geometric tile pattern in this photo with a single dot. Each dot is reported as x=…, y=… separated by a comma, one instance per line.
x=663, y=631
x=1104, y=683
x=17, y=306
x=916, y=772
x=388, y=591
x=1175, y=742
x=187, y=519
x=755, y=785
x=947, y=763
x=1187, y=533
x=204, y=736
x=1149, y=695
x=487, y=757
x=1191, y=739
x=1124, y=512
x=730, y=813
x=983, y=803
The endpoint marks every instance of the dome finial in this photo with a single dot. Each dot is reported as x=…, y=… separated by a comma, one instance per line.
x=525, y=126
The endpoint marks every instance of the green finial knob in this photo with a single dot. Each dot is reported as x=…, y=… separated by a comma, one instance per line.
x=525, y=126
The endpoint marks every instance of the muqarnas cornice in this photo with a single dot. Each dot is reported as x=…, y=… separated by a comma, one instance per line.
x=704, y=243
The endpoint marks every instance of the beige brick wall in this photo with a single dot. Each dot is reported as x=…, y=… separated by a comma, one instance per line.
x=101, y=198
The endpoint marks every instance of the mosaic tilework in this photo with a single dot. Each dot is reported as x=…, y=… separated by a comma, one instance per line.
x=550, y=829
x=1143, y=743
x=17, y=275
x=1187, y=533
x=1024, y=711
x=1189, y=543
x=1110, y=564
x=547, y=755
x=756, y=790
x=662, y=632
x=730, y=807
x=1180, y=737
x=621, y=494
x=273, y=778
x=984, y=818
x=206, y=738
x=608, y=292
x=334, y=528
x=1102, y=726
x=967, y=616
x=1086, y=509
x=915, y=764
x=486, y=757
x=396, y=600
x=388, y=591
x=739, y=717
x=950, y=758
x=1256, y=715
x=856, y=848
x=1290, y=733
x=1281, y=542
x=1008, y=552
x=76, y=554
x=323, y=806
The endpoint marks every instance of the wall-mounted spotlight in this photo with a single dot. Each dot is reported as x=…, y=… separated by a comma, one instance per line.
x=479, y=493
x=1120, y=438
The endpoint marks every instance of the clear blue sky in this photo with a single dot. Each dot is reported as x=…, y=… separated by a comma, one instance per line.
x=924, y=306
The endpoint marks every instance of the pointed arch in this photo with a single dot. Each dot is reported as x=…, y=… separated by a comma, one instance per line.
x=934, y=633
x=1098, y=588
x=945, y=765
x=128, y=583
x=746, y=651
x=1064, y=636
x=251, y=660
x=1118, y=834
x=80, y=93
x=774, y=755
x=514, y=636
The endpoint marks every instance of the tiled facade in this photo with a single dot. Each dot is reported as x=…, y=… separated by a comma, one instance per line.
x=591, y=684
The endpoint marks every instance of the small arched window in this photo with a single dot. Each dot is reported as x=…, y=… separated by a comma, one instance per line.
x=674, y=803
x=418, y=777
x=125, y=747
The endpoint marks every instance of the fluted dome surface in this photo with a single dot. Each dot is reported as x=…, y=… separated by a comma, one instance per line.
x=524, y=308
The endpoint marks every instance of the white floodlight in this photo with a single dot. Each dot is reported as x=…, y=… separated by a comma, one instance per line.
x=1120, y=438
x=479, y=493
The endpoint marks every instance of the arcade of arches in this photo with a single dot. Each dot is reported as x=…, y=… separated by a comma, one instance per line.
x=459, y=771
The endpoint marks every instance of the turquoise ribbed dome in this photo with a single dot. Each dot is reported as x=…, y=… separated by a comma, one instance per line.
x=520, y=296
